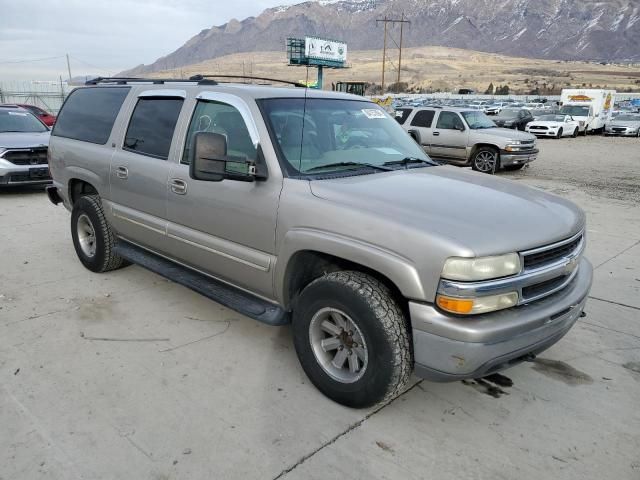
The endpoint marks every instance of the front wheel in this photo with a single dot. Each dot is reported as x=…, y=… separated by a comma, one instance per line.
x=352, y=339
x=575, y=133
x=559, y=134
x=92, y=236
x=485, y=160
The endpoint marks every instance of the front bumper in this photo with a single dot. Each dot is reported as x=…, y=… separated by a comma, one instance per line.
x=23, y=174
x=543, y=133
x=517, y=158
x=448, y=347
x=626, y=133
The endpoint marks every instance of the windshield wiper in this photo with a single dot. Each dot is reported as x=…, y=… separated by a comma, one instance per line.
x=349, y=164
x=406, y=161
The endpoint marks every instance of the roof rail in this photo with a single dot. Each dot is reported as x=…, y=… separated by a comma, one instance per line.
x=155, y=81
x=198, y=78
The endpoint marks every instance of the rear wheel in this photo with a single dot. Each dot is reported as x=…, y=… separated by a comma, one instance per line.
x=92, y=236
x=352, y=339
x=485, y=160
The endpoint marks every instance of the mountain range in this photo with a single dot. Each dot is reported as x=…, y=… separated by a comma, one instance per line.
x=551, y=29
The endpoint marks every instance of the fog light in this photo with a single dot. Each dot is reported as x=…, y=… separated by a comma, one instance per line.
x=471, y=306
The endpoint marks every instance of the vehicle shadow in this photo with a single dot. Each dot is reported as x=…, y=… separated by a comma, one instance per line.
x=14, y=190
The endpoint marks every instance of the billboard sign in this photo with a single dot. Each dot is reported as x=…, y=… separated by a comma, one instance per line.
x=328, y=50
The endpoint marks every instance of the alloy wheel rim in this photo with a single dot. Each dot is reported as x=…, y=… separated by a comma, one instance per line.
x=86, y=235
x=338, y=345
x=485, y=161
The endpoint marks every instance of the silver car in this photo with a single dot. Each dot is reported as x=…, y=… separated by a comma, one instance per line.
x=315, y=209
x=23, y=148
x=624, y=125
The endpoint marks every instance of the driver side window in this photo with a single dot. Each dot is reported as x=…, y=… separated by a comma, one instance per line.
x=217, y=117
x=449, y=121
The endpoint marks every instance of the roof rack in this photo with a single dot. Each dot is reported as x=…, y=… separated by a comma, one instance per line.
x=155, y=81
x=199, y=78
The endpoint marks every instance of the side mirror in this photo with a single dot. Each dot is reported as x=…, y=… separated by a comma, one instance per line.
x=211, y=163
x=461, y=128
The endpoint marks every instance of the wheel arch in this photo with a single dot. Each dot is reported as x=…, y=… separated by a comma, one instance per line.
x=299, y=264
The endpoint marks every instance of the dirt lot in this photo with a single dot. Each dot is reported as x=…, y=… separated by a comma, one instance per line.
x=128, y=376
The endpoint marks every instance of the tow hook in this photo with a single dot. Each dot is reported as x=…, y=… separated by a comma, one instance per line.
x=583, y=314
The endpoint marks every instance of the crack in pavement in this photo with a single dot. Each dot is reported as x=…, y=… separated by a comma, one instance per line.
x=333, y=440
x=617, y=255
x=614, y=303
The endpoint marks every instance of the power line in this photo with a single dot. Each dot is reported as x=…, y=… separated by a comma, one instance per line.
x=4, y=62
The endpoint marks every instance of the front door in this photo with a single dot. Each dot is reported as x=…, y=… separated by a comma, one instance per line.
x=140, y=169
x=450, y=137
x=226, y=229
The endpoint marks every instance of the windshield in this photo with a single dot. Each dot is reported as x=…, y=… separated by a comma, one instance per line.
x=508, y=113
x=477, y=120
x=575, y=110
x=338, y=134
x=628, y=118
x=20, y=121
x=552, y=118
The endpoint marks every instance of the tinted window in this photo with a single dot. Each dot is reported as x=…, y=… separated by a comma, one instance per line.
x=152, y=125
x=449, y=121
x=221, y=118
x=424, y=118
x=402, y=114
x=89, y=113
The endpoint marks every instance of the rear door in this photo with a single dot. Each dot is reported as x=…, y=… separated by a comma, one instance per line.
x=450, y=137
x=422, y=122
x=140, y=167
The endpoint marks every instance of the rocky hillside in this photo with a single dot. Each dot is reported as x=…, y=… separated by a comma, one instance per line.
x=555, y=29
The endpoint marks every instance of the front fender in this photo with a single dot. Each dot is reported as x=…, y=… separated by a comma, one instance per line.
x=395, y=267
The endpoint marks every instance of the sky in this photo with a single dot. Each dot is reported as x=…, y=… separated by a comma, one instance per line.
x=104, y=36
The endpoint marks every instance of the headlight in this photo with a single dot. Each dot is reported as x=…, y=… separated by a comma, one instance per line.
x=472, y=306
x=482, y=268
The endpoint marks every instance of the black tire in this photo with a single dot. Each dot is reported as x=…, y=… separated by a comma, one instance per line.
x=559, y=134
x=89, y=209
x=513, y=168
x=477, y=161
x=370, y=305
x=575, y=133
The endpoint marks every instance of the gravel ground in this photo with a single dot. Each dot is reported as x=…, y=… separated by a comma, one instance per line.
x=602, y=167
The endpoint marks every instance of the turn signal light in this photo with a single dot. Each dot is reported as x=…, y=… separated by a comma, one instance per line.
x=455, y=305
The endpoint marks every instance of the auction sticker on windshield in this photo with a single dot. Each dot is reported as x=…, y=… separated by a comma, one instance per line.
x=373, y=113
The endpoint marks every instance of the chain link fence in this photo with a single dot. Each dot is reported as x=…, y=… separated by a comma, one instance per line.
x=46, y=95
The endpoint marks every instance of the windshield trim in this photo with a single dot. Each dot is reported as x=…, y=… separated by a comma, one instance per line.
x=288, y=171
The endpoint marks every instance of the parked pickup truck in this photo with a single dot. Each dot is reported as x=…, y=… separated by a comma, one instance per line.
x=467, y=137
x=315, y=209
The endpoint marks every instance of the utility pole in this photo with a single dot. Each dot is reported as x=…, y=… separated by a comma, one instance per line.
x=392, y=21
x=69, y=68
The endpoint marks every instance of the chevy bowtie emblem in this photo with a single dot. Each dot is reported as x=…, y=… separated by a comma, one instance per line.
x=571, y=266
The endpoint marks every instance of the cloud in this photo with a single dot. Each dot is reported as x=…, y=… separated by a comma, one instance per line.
x=104, y=37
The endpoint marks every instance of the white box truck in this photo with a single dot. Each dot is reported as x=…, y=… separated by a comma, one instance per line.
x=591, y=108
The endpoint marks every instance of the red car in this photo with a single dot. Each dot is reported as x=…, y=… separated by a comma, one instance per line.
x=43, y=115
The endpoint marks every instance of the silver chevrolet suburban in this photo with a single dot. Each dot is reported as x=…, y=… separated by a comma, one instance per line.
x=468, y=137
x=293, y=205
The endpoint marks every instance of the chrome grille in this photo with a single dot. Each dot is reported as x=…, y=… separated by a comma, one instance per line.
x=541, y=257
x=27, y=156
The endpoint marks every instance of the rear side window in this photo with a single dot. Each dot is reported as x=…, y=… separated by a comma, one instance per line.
x=152, y=125
x=402, y=114
x=89, y=114
x=424, y=118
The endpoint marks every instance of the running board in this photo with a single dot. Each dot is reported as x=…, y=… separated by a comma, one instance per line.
x=218, y=291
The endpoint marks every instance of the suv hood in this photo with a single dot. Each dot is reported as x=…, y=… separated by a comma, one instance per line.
x=24, y=140
x=485, y=214
x=507, y=133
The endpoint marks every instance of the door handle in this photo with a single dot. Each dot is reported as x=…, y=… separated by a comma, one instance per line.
x=435, y=134
x=179, y=187
x=122, y=172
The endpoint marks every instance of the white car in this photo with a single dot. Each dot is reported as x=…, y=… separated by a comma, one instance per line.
x=554, y=126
